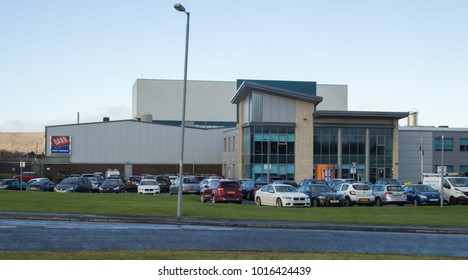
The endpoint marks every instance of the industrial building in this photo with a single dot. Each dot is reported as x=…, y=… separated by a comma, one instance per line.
x=245, y=128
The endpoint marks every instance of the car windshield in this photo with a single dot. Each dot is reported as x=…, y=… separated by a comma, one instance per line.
x=320, y=189
x=423, y=188
x=394, y=182
x=285, y=189
x=148, y=182
x=230, y=184
x=70, y=180
x=112, y=182
x=395, y=189
x=191, y=180
x=459, y=182
x=361, y=187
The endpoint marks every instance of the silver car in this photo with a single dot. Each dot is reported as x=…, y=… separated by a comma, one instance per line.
x=191, y=185
x=389, y=194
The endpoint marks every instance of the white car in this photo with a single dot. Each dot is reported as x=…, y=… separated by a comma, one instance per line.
x=356, y=193
x=281, y=195
x=148, y=186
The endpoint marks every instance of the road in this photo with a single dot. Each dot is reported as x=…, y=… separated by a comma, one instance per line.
x=46, y=235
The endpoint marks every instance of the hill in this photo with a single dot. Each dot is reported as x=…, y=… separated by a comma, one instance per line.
x=25, y=142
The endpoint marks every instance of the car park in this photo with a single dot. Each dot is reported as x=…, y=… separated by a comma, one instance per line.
x=356, y=193
x=281, y=195
x=190, y=185
x=222, y=190
x=148, y=186
x=420, y=194
x=132, y=183
x=164, y=183
x=112, y=186
x=389, y=194
x=249, y=188
x=74, y=184
x=41, y=185
x=322, y=195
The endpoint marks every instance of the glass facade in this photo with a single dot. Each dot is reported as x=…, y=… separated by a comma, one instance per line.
x=268, y=150
x=346, y=147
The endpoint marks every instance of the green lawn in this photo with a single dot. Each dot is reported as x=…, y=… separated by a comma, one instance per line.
x=166, y=206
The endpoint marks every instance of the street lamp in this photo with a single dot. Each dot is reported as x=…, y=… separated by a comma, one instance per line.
x=181, y=8
x=442, y=174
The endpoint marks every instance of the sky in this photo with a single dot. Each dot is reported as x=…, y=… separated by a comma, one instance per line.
x=61, y=57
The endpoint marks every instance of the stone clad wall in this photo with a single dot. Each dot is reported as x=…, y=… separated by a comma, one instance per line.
x=304, y=141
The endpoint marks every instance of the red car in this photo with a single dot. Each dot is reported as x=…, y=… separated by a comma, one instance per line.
x=26, y=176
x=222, y=190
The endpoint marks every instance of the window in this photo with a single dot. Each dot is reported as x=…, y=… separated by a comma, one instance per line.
x=225, y=146
x=464, y=145
x=448, y=144
x=233, y=143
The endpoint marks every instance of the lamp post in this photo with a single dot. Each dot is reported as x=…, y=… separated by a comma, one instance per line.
x=181, y=8
x=442, y=174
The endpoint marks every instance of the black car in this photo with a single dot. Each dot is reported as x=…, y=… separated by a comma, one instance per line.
x=42, y=185
x=164, y=183
x=112, y=186
x=132, y=183
x=249, y=188
x=322, y=195
x=74, y=184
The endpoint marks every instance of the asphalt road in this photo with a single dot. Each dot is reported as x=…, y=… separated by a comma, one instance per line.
x=49, y=235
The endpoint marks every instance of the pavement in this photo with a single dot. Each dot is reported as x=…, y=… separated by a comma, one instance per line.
x=231, y=223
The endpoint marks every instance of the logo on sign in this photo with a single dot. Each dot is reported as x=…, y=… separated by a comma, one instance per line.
x=60, y=144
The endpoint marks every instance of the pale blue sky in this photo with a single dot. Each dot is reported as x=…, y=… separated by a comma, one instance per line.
x=60, y=57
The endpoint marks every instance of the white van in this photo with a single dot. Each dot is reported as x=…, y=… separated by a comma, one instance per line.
x=455, y=188
x=112, y=172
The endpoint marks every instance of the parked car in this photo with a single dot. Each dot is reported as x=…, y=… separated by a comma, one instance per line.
x=148, y=186
x=12, y=184
x=26, y=176
x=94, y=184
x=419, y=194
x=42, y=185
x=164, y=183
x=389, y=194
x=281, y=196
x=249, y=188
x=74, y=184
x=35, y=180
x=172, y=178
x=338, y=181
x=322, y=195
x=313, y=181
x=389, y=181
x=132, y=183
x=190, y=185
x=287, y=182
x=356, y=193
x=222, y=190
x=112, y=186
x=263, y=179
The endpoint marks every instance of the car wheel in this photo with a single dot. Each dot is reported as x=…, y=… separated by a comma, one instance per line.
x=453, y=201
x=258, y=201
x=315, y=202
x=348, y=202
x=249, y=196
x=378, y=202
x=202, y=199
x=213, y=199
x=279, y=203
x=415, y=202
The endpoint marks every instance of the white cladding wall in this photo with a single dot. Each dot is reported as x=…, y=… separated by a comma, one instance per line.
x=335, y=97
x=206, y=100
x=278, y=109
x=139, y=143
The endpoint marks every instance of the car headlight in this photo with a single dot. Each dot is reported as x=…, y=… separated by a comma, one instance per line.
x=423, y=196
x=116, y=188
x=286, y=197
x=458, y=191
x=322, y=197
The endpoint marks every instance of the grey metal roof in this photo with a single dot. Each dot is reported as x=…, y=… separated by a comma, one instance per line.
x=360, y=114
x=247, y=87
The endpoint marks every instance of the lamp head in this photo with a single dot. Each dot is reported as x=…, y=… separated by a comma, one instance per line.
x=179, y=7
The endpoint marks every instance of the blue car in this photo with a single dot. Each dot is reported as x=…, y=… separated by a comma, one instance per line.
x=12, y=184
x=419, y=194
